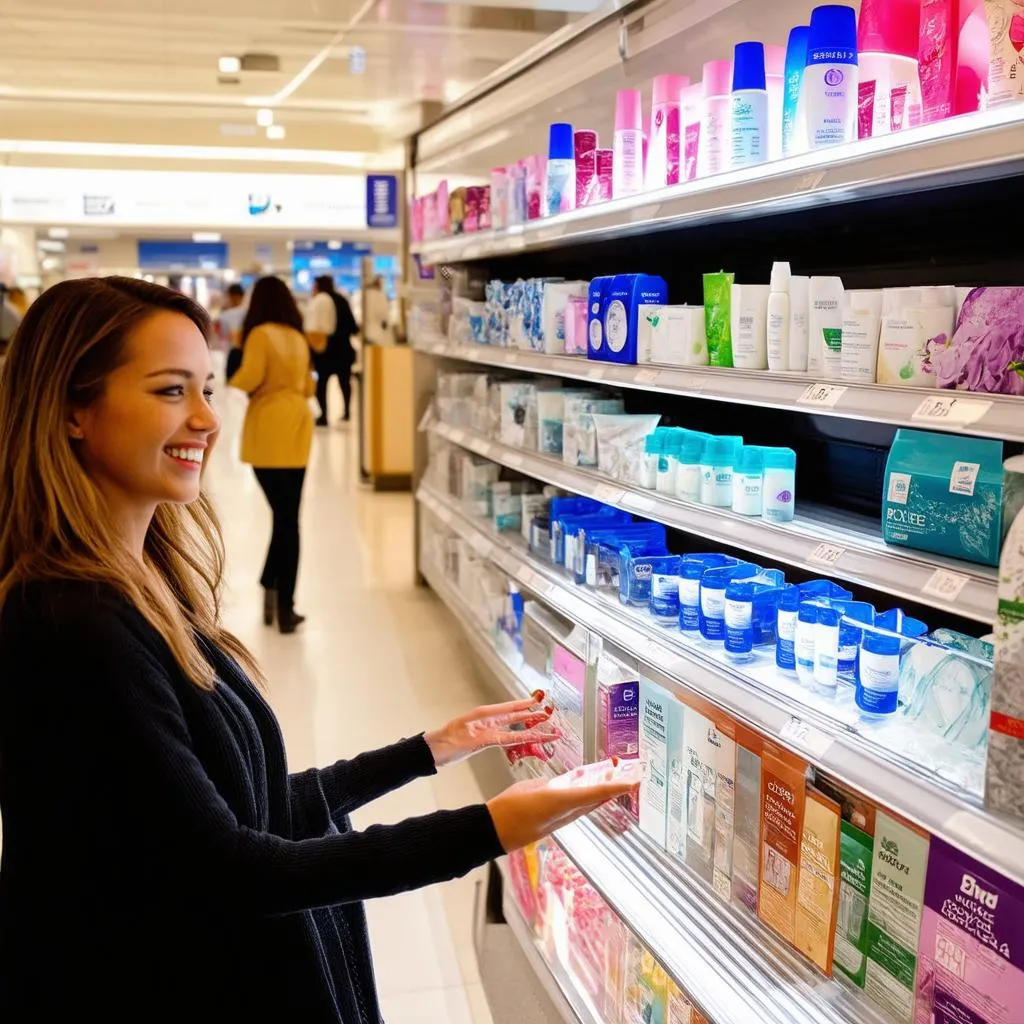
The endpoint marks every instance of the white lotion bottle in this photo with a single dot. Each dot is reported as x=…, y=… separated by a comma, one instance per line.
x=825, y=327
x=628, y=148
x=830, y=83
x=713, y=154
x=749, y=127
x=749, y=326
x=799, y=310
x=779, y=317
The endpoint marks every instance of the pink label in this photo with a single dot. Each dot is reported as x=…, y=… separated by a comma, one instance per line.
x=672, y=145
x=568, y=680
x=692, y=145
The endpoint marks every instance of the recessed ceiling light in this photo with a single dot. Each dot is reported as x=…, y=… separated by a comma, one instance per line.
x=264, y=117
x=275, y=131
x=58, y=232
x=334, y=244
x=205, y=236
x=229, y=65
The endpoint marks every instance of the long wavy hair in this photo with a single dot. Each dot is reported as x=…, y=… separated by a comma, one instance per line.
x=54, y=524
x=271, y=302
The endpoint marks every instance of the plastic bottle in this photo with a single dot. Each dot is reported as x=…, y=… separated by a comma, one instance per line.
x=713, y=585
x=694, y=567
x=653, y=445
x=605, y=175
x=715, y=134
x=628, y=165
x=748, y=482
x=664, y=148
x=560, y=187
x=803, y=641
x=749, y=127
x=739, y=626
x=851, y=635
x=826, y=652
x=878, y=675
x=668, y=460
x=888, y=42
x=717, y=462
x=775, y=79
x=778, y=318
x=794, y=129
x=779, y=487
x=830, y=86
x=691, y=107
x=785, y=644
x=585, y=157
x=799, y=322
x=688, y=473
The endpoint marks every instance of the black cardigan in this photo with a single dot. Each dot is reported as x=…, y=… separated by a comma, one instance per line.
x=159, y=863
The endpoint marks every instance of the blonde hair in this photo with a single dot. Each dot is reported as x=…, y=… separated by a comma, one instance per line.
x=53, y=520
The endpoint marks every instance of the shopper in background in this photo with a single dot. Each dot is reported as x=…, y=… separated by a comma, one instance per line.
x=233, y=314
x=278, y=432
x=330, y=326
x=377, y=325
x=159, y=862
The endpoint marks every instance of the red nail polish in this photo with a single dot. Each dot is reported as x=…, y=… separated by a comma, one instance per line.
x=538, y=696
x=615, y=761
x=549, y=711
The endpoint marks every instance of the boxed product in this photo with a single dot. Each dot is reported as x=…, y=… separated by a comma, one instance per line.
x=579, y=435
x=626, y=294
x=944, y=494
x=672, y=335
x=567, y=677
x=655, y=710
x=554, y=309
x=746, y=843
x=818, y=885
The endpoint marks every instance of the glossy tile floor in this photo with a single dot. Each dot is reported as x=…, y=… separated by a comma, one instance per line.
x=377, y=659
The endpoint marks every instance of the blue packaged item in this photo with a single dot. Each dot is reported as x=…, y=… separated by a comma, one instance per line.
x=627, y=293
x=824, y=591
x=878, y=674
x=693, y=568
x=850, y=634
x=597, y=299
x=574, y=532
x=604, y=569
x=638, y=571
x=785, y=643
x=897, y=621
x=713, y=585
x=664, y=604
x=803, y=643
x=565, y=526
x=751, y=613
x=590, y=539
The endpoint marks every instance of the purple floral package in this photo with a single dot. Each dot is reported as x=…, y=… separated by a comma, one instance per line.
x=987, y=349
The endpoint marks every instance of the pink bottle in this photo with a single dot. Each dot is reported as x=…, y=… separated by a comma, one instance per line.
x=585, y=152
x=939, y=57
x=663, y=151
x=888, y=40
x=691, y=110
x=975, y=54
x=605, y=175
x=716, y=124
x=535, y=168
x=775, y=80
x=628, y=170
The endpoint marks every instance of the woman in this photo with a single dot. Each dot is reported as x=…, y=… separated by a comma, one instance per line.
x=277, y=433
x=159, y=863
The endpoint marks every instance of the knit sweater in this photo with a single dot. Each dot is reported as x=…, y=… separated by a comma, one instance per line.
x=159, y=862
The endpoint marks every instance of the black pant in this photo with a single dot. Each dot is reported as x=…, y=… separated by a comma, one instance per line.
x=344, y=375
x=283, y=488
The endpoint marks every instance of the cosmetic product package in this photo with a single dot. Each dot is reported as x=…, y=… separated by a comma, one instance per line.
x=718, y=317
x=556, y=296
x=560, y=181
x=620, y=444
x=457, y=211
x=700, y=743
x=576, y=321
x=749, y=326
x=605, y=175
x=888, y=43
x=718, y=462
x=746, y=843
x=862, y=325
x=499, y=197
x=939, y=57
x=829, y=92
x=567, y=678
x=825, y=328
x=1006, y=64
x=672, y=336
x=598, y=299
x=794, y=126
x=585, y=155
x=818, y=881
x=626, y=294
x=655, y=710
x=691, y=108
x=778, y=318
x=749, y=110
x=579, y=435
x=628, y=168
x=715, y=129
x=663, y=152
x=535, y=172
x=775, y=79
x=799, y=314
x=917, y=325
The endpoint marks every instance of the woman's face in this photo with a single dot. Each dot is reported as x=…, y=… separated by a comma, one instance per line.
x=144, y=440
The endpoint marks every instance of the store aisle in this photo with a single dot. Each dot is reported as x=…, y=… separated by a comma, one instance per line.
x=377, y=659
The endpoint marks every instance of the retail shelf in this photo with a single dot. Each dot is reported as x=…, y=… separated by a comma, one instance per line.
x=996, y=416
x=973, y=148
x=870, y=758
x=571, y=1003
x=819, y=539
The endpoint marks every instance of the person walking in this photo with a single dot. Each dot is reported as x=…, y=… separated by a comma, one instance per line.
x=278, y=432
x=159, y=861
x=377, y=325
x=330, y=327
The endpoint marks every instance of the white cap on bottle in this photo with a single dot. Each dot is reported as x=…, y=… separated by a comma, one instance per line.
x=780, y=277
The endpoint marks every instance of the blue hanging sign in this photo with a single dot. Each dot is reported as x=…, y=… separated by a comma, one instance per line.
x=381, y=201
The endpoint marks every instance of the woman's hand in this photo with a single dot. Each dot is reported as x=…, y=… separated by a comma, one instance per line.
x=508, y=725
x=528, y=811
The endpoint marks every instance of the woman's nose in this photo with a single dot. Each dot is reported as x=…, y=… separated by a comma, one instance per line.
x=203, y=417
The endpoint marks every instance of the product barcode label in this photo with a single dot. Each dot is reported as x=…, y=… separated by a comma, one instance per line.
x=951, y=410
x=822, y=394
x=826, y=554
x=945, y=585
x=806, y=737
x=608, y=494
x=596, y=372
x=481, y=545
x=646, y=376
x=638, y=502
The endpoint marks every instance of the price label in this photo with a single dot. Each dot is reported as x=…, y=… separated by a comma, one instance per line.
x=525, y=575
x=694, y=383
x=513, y=459
x=608, y=494
x=951, y=410
x=481, y=545
x=826, y=554
x=809, y=182
x=945, y=585
x=647, y=376
x=822, y=394
x=806, y=737
x=596, y=372
x=638, y=502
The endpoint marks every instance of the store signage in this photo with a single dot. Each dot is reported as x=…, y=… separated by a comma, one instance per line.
x=182, y=254
x=381, y=201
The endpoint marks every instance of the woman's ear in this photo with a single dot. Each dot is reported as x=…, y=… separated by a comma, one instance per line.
x=75, y=431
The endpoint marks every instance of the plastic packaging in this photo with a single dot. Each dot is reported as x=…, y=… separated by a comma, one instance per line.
x=715, y=131
x=749, y=111
x=605, y=554
x=778, y=318
x=635, y=583
x=1006, y=63
x=830, y=85
x=775, y=78
x=693, y=568
x=785, y=646
x=664, y=605
x=713, y=585
x=668, y=460
x=748, y=482
x=628, y=166
x=825, y=327
x=862, y=322
x=794, y=131
x=878, y=675
x=653, y=444
x=803, y=641
x=605, y=175
x=688, y=472
x=717, y=462
x=826, y=651
x=499, y=198
x=851, y=634
x=585, y=159
x=751, y=613
x=560, y=187
x=663, y=151
x=799, y=312
x=888, y=42
x=626, y=771
x=620, y=443
x=939, y=58
x=597, y=297
x=718, y=317
x=749, y=326
x=691, y=107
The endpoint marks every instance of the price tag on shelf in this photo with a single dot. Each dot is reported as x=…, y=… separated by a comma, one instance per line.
x=951, y=410
x=525, y=575
x=638, y=502
x=826, y=554
x=646, y=376
x=809, y=182
x=513, y=459
x=822, y=394
x=945, y=585
x=806, y=737
x=596, y=372
x=694, y=383
x=481, y=545
x=608, y=494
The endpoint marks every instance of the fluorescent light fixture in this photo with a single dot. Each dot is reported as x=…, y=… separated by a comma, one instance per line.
x=229, y=65
x=264, y=117
x=356, y=60
x=334, y=244
x=205, y=236
x=58, y=232
x=275, y=131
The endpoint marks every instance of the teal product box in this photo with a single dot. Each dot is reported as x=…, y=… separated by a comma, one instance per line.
x=944, y=494
x=597, y=299
x=627, y=293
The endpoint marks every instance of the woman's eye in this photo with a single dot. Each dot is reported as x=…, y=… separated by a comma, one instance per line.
x=174, y=391
x=208, y=395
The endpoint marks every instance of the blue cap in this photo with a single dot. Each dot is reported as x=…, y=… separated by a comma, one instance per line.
x=750, y=460
x=796, y=50
x=748, y=67
x=778, y=458
x=833, y=28
x=721, y=451
x=560, y=142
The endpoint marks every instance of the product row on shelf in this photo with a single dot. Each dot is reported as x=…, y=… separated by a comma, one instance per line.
x=837, y=80
x=764, y=844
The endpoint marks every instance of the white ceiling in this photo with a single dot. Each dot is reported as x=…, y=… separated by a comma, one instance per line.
x=144, y=72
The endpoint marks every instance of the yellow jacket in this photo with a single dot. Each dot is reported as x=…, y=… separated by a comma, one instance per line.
x=275, y=372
